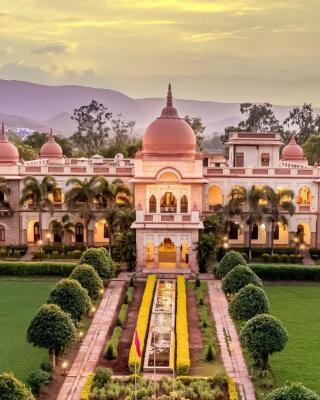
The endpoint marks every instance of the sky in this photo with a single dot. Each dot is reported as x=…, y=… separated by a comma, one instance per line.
x=227, y=50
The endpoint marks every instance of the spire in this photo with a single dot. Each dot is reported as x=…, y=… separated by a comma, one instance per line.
x=169, y=97
x=3, y=137
x=50, y=137
x=169, y=111
x=2, y=128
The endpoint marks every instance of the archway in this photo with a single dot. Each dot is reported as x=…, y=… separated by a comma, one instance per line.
x=304, y=233
x=214, y=197
x=101, y=233
x=79, y=233
x=168, y=203
x=152, y=204
x=2, y=233
x=167, y=253
x=281, y=235
x=184, y=204
x=33, y=231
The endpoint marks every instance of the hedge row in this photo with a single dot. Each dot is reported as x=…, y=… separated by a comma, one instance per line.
x=142, y=323
x=183, y=357
x=283, y=258
x=111, y=349
x=27, y=268
x=286, y=272
x=122, y=315
x=11, y=250
x=85, y=392
x=55, y=255
x=232, y=389
x=256, y=251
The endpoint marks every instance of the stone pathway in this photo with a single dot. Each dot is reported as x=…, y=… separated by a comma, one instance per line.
x=229, y=342
x=89, y=352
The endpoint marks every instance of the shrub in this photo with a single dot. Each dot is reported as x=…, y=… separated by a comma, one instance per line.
x=248, y=302
x=27, y=268
x=284, y=258
x=111, y=349
x=183, y=358
x=232, y=389
x=13, y=389
x=101, y=260
x=46, y=366
x=71, y=297
x=263, y=335
x=228, y=262
x=86, y=390
x=276, y=258
x=286, y=272
x=88, y=278
x=209, y=353
x=37, y=380
x=239, y=277
x=102, y=376
x=266, y=257
x=142, y=323
x=122, y=315
x=293, y=391
x=128, y=296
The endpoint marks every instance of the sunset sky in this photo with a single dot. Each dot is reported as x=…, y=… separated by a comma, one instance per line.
x=228, y=50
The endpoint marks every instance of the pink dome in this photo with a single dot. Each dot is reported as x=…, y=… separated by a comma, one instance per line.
x=292, y=151
x=51, y=149
x=169, y=134
x=8, y=152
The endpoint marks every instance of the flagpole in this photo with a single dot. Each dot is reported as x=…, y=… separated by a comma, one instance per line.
x=135, y=375
x=154, y=360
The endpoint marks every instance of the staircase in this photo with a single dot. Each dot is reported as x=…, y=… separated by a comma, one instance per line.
x=167, y=257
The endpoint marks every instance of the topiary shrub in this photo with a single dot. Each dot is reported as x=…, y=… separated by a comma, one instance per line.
x=102, y=376
x=238, y=278
x=11, y=388
x=276, y=258
x=293, y=391
x=228, y=262
x=71, y=297
x=37, y=380
x=248, y=302
x=101, y=261
x=266, y=257
x=284, y=258
x=88, y=278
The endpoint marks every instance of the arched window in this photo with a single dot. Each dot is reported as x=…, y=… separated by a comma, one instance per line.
x=214, y=196
x=1, y=196
x=79, y=232
x=36, y=232
x=105, y=231
x=2, y=233
x=276, y=233
x=184, y=204
x=168, y=203
x=152, y=204
x=233, y=231
x=304, y=196
x=255, y=232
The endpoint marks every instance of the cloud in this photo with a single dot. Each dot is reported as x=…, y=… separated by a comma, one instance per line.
x=55, y=48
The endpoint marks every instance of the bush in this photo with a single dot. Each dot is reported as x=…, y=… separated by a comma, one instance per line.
x=102, y=376
x=142, y=323
x=228, y=262
x=239, y=277
x=37, y=380
x=286, y=272
x=183, y=357
x=71, y=297
x=293, y=391
x=129, y=294
x=88, y=278
x=27, y=268
x=101, y=260
x=266, y=257
x=122, y=315
x=86, y=390
x=111, y=349
x=13, y=389
x=276, y=258
x=248, y=302
x=284, y=258
x=46, y=366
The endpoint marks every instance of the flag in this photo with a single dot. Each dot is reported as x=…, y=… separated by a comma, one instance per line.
x=137, y=343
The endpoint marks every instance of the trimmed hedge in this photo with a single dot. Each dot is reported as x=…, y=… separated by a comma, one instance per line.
x=122, y=315
x=256, y=251
x=101, y=260
x=286, y=272
x=142, y=323
x=183, y=357
x=85, y=392
x=89, y=279
x=228, y=262
x=232, y=389
x=27, y=268
x=239, y=277
x=129, y=295
x=111, y=349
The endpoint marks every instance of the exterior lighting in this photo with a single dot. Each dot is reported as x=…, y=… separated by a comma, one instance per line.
x=302, y=247
x=48, y=235
x=101, y=291
x=92, y=311
x=64, y=367
x=40, y=242
x=80, y=336
x=225, y=245
x=225, y=238
x=263, y=226
x=295, y=240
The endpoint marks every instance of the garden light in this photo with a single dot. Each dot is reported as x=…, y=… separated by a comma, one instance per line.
x=80, y=335
x=101, y=291
x=64, y=367
x=225, y=245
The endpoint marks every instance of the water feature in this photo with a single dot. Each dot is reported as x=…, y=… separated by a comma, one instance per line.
x=161, y=329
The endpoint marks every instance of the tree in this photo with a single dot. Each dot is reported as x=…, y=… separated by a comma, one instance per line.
x=36, y=194
x=250, y=301
x=88, y=278
x=249, y=205
x=101, y=261
x=71, y=297
x=311, y=148
x=38, y=379
x=206, y=245
x=279, y=201
x=81, y=198
x=229, y=261
x=198, y=129
x=239, y=277
x=262, y=336
x=13, y=389
x=292, y=391
x=125, y=218
x=4, y=193
x=26, y=152
x=61, y=228
x=127, y=247
x=259, y=117
x=51, y=328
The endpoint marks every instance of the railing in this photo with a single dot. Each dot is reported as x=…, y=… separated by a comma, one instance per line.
x=142, y=217
x=283, y=169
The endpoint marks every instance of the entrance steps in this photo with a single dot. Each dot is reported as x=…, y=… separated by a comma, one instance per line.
x=167, y=257
x=166, y=273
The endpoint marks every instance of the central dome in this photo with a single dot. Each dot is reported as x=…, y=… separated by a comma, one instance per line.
x=51, y=149
x=292, y=151
x=169, y=134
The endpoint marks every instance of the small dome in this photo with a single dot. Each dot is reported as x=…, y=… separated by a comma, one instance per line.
x=292, y=151
x=51, y=149
x=169, y=134
x=8, y=152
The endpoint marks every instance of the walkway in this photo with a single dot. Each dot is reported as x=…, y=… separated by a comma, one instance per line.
x=89, y=352
x=229, y=342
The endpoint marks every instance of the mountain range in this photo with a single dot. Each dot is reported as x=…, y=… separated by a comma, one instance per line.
x=41, y=107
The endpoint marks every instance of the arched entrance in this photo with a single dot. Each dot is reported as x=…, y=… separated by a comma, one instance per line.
x=304, y=233
x=167, y=253
x=78, y=232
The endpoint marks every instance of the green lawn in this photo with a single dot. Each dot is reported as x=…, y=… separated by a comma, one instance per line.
x=298, y=307
x=19, y=300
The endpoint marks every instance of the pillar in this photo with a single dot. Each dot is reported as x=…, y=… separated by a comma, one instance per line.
x=90, y=236
x=156, y=256
x=178, y=256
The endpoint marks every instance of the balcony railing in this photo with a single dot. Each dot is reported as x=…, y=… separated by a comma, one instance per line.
x=193, y=217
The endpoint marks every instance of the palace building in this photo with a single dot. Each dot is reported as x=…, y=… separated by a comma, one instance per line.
x=174, y=187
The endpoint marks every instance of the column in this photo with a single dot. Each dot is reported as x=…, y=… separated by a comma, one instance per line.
x=156, y=257
x=178, y=256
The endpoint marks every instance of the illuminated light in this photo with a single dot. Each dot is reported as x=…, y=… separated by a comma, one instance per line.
x=225, y=238
x=101, y=291
x=64, y=367
x=263, y=226
x=80, y=334
x=237, y=223
x=302, y=247
x=48, y=235
x=225, y=245
x=295, y=240
x=92, y=310
x=40, y=242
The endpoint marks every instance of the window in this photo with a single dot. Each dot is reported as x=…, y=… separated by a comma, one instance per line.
x=1, y=196
x=239, y=161
x=255, y=232
x=2, y=233
x=276, y=233
x=57, y=194
x=265, y=159
x=184, y=204
x=105, y=231
x=304, y=196
x=152, y=204
x=168, y=203
x=233, y=231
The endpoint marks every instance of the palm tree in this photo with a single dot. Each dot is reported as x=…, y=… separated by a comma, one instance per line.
x=279, y=201
x=5, y=191
x=36, y=194
x=125, y=218
x=82, y=197
x=248, y=204
x=60, y=228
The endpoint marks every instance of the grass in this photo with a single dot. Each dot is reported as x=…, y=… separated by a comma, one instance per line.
x=19, y=300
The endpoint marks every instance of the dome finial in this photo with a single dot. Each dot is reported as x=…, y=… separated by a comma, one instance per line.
x=2, y=128
x=50, y=137
x=169, y=96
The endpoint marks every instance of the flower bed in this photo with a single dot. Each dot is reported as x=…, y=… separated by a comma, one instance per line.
x=183, y=357
x=85, y=392
x=232, y=389
x=142, y=323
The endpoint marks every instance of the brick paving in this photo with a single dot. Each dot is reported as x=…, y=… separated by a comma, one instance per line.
x=89, y=352
x=231, y=352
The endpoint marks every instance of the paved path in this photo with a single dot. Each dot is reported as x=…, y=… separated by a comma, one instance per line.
x=89, y=352
x=229, y=342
